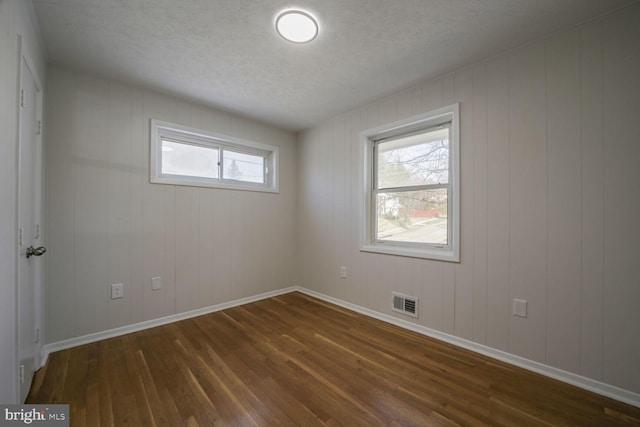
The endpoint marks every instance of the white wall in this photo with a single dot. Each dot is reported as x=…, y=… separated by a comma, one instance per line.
x=550, y=151
x=15, y=25
x=107, y=224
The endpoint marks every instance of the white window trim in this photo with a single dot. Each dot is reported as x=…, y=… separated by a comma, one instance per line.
x=368, y=243
x=162, y=129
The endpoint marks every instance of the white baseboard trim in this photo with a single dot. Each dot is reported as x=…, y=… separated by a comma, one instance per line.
x=589, y=384
x=598, y=387
x=47, y=349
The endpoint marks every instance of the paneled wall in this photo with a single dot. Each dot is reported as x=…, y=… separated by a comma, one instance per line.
x=107, y=224
x=550, y=155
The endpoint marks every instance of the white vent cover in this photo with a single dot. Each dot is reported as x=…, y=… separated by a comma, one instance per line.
x=405, y=304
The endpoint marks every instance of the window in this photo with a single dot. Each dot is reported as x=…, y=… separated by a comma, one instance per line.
x=185, y=156
x=411, y=187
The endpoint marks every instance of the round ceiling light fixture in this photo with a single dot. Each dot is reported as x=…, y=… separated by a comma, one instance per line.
x=296, y=26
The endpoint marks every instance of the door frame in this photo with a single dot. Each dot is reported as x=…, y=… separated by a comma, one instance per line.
x=24, y=57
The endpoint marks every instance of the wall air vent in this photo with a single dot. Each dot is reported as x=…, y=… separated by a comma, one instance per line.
x=405, y=304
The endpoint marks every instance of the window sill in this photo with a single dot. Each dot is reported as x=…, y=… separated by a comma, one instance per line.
x=424, y=253
x=197, y=182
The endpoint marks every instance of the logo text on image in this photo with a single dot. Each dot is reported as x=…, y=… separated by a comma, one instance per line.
x=40, y=415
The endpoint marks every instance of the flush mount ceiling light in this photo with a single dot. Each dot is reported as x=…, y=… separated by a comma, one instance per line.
x=296, y=26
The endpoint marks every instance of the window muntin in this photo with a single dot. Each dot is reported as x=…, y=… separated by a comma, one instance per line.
x=187, y=156
x=412, y=187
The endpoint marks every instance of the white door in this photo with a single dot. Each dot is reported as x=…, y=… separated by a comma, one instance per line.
x=29, y=206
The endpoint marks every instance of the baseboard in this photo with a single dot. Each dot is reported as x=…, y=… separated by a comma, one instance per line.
x=598, y=387
x=47, y=349
x=589, y=384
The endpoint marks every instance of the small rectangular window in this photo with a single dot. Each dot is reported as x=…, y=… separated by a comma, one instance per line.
x=411, y=188
x=187, y=156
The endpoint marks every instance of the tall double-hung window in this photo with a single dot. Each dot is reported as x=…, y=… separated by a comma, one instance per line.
x=411, y=204
x=187, y=156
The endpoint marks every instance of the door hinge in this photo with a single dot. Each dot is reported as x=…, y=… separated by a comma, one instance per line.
x=37, y=340
x=39, y=127
x=20, y=236
x=21, y=374
x=37, y=235
x=22, y=97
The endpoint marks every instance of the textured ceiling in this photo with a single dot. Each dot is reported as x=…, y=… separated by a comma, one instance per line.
x=225, y=53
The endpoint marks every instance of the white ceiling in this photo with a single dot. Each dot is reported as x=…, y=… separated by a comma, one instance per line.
x=225, y=53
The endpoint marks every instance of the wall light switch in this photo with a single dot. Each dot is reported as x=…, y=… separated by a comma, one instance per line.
x=156, y=283
x=343, y=272
x=519, y=308
x=117, y=291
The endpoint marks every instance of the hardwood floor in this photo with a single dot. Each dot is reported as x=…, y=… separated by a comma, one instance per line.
x=295, y=360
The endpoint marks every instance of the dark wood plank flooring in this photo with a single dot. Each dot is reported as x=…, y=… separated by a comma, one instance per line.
x=297, y=361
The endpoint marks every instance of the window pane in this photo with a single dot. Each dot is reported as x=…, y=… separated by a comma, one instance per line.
x=413, y=216
x=243, y=167
x=417, y=159
x=189, y=160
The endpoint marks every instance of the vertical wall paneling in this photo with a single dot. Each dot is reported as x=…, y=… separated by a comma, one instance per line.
x=498, y=204
x=591, y=319
x=337, y=206
x=528, y=196
x=187, y=249
x=622, y=204
x=139, y=162
x=119, y=146
x=169, y=253
x=549, y=205
x=206, y=253
x=464, y=274
x=432, y=95
x=60, y=263
x=564, y=197
x=403, y=276
x=110, y=225
x=90, y=210
x=480, y=204
x=431, y=305
x=352, y=179
x=305, y=208
x=222, y=260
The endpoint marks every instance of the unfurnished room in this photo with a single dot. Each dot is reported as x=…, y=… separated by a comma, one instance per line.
x=320, y=213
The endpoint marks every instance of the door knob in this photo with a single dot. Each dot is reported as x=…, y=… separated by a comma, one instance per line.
x=31, y=251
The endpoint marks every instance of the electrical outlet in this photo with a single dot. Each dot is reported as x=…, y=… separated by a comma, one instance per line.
x=156, y=283
x=343, y=272
x=117, y=291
